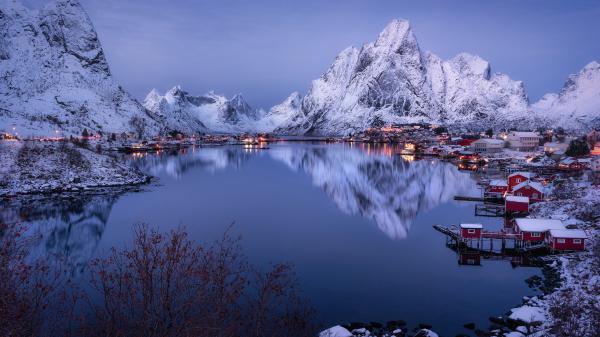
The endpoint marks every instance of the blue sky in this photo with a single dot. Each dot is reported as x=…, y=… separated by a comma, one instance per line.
x=267, y=49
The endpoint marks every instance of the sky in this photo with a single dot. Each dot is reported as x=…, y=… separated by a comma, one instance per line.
x=268, y=49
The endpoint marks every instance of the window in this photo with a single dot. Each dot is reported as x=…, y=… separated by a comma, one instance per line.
x=471, y=231
x=518, y=180
x=560, y=240
x=576, y=241
x=536, y=234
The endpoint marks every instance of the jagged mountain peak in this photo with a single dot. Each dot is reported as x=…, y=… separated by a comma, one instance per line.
x=397, y=32
x=392, y=81
x=577, y=105
x=471, y=65
x=54, y=74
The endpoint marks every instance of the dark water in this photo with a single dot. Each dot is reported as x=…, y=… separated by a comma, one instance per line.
x=355, y=221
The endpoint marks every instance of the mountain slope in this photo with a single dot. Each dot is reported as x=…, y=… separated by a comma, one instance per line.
x=178, y=110
x=577, y=106
x=54, y=74
x=392, y=81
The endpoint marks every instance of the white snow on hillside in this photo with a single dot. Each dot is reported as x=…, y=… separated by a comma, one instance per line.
x=54, y=74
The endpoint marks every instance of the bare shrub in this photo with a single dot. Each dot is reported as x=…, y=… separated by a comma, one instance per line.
x=166, y=285
x=26, y=288
x=572, y=315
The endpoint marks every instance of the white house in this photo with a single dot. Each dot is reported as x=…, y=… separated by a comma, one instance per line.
x=487, y=145
x=523, y=141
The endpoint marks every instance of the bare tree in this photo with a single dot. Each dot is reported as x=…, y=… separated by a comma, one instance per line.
x=139, y=125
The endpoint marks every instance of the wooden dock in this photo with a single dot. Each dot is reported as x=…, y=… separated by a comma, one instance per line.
x=478, y=199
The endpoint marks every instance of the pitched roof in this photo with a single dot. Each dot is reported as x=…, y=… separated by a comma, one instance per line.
x=527, y=175
x=533, y=184
x=538, y=225
x=471, y=225
x=568, y=233
x=498, y=182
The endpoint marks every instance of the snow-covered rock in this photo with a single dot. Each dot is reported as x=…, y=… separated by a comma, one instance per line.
x=577, y=106
x=179, y=110
x=43, y=168
x=54, y=74
x=336, y=331
x=392, y=81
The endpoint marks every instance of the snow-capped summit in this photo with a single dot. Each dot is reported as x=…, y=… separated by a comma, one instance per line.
x=392, y=81
x=54, y=75
x=179, y=110
x=578, y=103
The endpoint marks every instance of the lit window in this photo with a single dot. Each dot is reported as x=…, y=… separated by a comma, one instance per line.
x=471, y=231
x=536, y=234
x=576, y=241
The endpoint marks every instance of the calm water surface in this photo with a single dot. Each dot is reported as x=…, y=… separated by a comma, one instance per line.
x=356, y=221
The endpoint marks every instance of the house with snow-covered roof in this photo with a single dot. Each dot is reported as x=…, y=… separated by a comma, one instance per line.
x=524, y=141
x=517, y=178
x=566, y=239
x=534, y=230
x=530, y=189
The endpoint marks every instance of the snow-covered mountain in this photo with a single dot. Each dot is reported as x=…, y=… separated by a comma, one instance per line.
x=577, y=106
x=179, y=110
x=54, y=75
x=391, y=80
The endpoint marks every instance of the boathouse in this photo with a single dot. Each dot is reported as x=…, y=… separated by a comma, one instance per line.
x=518, y=178
x=516, y=204
x=530, y=189
x=566, y=239
x=471, y=231
x=497, y=188
x=534, y=230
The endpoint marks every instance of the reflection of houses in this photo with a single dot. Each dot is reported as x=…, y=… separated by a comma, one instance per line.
x=523, y=141
x=487, y=145
x=469, y=258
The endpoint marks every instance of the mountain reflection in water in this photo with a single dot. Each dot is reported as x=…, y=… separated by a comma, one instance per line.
x=371, y=181
x=66, y=228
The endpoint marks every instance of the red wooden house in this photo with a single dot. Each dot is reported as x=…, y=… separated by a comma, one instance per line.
x=518, y=178
x=470, y=231
x=515, y=204
x=534, y=230
x=530, y=189
x=497, y=188
x=566, y=239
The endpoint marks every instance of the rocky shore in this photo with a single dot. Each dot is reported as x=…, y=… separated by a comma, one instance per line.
x=32, y=167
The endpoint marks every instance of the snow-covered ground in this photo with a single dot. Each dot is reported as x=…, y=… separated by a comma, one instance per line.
x=575, y=304
x=38, y=167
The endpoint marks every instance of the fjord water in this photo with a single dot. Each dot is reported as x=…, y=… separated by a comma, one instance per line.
x=355, y=221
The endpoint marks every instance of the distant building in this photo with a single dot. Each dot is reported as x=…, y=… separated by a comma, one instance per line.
x=496, y=189
x=556, y=148
x=595, y=165
x=471, y=231
x=571, y=164
x=523, y=141
x=487, y=145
